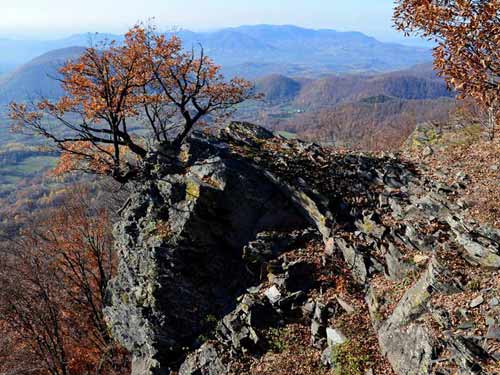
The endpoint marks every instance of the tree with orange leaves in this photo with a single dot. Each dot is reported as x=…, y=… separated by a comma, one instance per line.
x=148, y=82
x=54, y=279
x=468, y=49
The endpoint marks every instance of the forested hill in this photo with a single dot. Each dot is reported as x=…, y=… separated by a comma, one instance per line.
x=418, y=82
x=37, y=77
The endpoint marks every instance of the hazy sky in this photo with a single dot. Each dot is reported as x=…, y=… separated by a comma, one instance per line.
x=45, y=18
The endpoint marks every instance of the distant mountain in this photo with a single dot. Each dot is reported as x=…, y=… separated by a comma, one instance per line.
x=418, y=82
x=272, y=50
x=38, y=77
x=305, y=49
x=18, y=52
x=278, y=88
x=368, y=111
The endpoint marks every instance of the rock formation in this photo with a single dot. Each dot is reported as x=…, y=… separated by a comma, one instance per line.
x=255, y=232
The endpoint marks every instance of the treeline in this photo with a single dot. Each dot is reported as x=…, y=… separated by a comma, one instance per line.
x=15, y=153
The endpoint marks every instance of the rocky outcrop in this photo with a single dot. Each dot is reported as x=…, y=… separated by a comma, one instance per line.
x=248, y=234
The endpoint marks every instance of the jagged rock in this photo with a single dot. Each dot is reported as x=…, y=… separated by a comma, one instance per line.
x=206, y=241
x=427, y=151
x=467, y=354
x=462, y=176
x=354, y=259
x=269, y=245
x=335, y=337
x=179, y=262
x=397, y=208
x=493, y=332
x=362, y=265
x=273, y=294
x=486, y=252
x=442, y=318
x=348, y=308
x=238, y=329
x=308, y=309
x=476, y=302
x=204, y=361
x=409, y=345
x=369, y=225
x=318, y=325
x=397, y=268
x=326, y=357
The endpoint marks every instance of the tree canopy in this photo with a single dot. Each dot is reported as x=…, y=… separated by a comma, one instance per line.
x=467, y=33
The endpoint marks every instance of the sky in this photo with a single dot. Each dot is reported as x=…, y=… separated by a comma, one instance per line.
x=44, y=19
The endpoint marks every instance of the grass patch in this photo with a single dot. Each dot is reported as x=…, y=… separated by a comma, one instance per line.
x=347, y=359
x=277, y=339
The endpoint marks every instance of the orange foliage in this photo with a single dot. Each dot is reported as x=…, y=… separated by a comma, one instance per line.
x=150, y=81
x=53, y=288
x=468, y=50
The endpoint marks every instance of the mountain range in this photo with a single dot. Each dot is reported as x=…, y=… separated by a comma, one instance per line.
x=257, y=50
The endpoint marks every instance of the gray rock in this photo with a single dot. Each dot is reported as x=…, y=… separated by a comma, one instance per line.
x=273, y=294
x=370, y=226
x=326, y=357
x=204, y=361
x=442, y=318
x=335, y=337
x=493, y=332
x=194, y=237
x=238, y=329
x=397, y=268
x=409, y=345
x=178, y=262
x=318, y=325
x=427, y=151
x=348, y=308
x=354, y=259
x=486, y=253
x=466, y=353
x=479, y=300
x=466, y=325
x=308, y=309
x=462, y=176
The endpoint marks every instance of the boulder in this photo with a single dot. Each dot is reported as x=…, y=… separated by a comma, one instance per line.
x=204, y=361
x=407, y=343
x=181, y=241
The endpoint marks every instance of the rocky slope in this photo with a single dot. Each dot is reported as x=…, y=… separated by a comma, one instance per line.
x=270, y=256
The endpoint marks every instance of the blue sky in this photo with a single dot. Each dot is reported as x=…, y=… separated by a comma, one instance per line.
x=50, y=18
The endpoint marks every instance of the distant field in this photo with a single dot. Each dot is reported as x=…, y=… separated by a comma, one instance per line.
x=17, y=166
x=28, y=166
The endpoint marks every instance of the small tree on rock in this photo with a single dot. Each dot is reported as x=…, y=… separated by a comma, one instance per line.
x=149, y=83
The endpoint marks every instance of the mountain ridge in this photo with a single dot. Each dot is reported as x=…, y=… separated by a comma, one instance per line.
x=286, y=45
x=37, y=77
